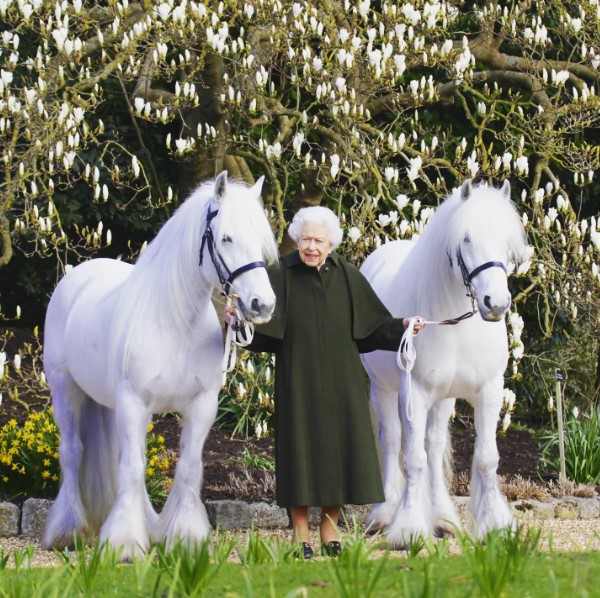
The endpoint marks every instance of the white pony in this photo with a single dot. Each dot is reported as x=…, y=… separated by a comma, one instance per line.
x=458, y=266
x=123, y=342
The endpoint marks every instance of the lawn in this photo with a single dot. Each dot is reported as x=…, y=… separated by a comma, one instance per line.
x=506, y=564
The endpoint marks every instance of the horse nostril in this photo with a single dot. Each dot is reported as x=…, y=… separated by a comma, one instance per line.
x=487, y=302
x=255, y=305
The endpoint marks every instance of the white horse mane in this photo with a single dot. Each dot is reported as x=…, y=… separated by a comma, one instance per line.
x=487, y=217
x=167, y=278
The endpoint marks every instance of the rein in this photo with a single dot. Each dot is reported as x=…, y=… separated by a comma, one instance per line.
x=407, y=354
x=240, y=333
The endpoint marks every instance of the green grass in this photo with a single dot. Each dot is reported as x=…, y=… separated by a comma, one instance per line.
x=582, y=457
x=508, y=565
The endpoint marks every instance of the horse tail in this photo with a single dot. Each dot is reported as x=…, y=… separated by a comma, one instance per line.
x=98, y=471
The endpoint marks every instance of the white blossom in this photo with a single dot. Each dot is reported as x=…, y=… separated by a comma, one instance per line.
x=509, y=398
x=522, y=165
x=561, y=77
x=412, y=171
x=335, y=165
x=401, y=201
x=354, y=234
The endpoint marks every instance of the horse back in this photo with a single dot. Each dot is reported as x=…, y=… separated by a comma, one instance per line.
x=382, y=270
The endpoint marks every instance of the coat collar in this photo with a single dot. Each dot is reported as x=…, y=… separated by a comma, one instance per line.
x=293, y=259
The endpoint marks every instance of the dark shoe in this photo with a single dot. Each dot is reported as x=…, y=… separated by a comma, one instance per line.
x=307, y=552
x=332, y=549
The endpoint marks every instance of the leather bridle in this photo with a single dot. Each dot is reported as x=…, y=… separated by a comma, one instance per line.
x=467, y=278
x=226, y=276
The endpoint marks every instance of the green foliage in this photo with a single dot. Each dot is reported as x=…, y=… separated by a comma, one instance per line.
x=188, y=569
x=246, y=403
x=29, y=465
x=499, y=559
x=503, y=566
x=158, y=463
x=258, y=551
x=29, y=457
x=582, y=454
x=253, y=460
x=85, y=563
x=354, y=573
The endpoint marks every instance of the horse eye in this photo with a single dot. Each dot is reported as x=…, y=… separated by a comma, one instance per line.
x=467, y=239
x=227, y=239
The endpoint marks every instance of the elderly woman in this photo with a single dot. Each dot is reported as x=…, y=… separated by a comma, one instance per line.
x=326, y=315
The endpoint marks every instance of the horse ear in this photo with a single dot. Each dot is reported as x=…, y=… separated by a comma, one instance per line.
x=257, y=187
x=466, y=190
x=506, y=189
x=221, y=186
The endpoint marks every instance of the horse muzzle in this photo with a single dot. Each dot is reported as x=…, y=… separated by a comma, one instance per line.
x=257, y=311
x=494, y=310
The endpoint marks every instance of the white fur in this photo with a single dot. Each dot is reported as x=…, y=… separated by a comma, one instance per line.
x=467, y=360
x=123, y=342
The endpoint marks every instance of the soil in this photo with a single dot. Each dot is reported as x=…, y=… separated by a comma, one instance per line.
x=228, y=476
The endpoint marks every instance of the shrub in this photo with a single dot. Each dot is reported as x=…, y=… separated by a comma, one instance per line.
x=29, y=465
x=29, y=457
x=246, y=403
x=582, y=454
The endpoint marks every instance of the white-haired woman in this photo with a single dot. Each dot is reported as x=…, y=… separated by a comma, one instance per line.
x=326, y=315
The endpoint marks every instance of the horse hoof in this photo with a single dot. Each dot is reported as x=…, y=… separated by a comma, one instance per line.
x=443, y=532
x=374, y=529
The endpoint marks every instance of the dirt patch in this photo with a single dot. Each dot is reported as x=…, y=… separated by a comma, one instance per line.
x=230, y=470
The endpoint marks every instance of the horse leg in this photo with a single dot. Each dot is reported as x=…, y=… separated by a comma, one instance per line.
x=385, y=404
x=67, y=516
x=489, y=507
x=413, y=518
x=184, y=516
x=437, y=445
x=126, y=528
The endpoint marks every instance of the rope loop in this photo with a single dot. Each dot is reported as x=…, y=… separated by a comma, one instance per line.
x=407, y=354
x=240, y=333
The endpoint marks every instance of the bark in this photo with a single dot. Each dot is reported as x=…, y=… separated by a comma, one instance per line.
x=6, y=250
x=209, y=162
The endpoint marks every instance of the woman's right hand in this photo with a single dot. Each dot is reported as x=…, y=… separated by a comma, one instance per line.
x=419, y=323
x=228, y=314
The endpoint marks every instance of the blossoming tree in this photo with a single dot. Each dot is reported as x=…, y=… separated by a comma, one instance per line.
x=377, y=109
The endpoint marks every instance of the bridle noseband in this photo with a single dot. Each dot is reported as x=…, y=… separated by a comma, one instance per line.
x=226, y=276
x=467, y=278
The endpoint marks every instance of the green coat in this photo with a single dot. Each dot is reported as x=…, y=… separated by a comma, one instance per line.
x=325, y=452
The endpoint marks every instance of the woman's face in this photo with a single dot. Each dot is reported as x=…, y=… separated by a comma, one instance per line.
x=314, y=244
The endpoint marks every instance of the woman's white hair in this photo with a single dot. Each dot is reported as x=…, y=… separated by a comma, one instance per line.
x=317, y=215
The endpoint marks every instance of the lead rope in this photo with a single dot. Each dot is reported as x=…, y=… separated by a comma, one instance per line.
x=234, y=339
x=407, y=354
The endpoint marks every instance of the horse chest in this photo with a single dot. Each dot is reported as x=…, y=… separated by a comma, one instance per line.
x=459, y=362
